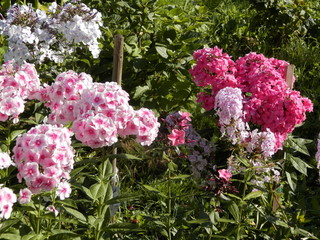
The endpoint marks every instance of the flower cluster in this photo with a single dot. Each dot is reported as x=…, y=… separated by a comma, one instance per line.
x=7, y=199
x=17, y=83
x=63, y=96
x=44, y=157
x=318, y=155
x=34, y=35
x=99, y=112
x=199, y=149
x=267, y=100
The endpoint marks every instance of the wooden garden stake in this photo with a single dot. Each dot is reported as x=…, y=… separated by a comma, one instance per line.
x=117, y=77
x=289, y=75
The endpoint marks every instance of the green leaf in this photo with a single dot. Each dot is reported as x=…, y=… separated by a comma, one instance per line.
x=172, y=166
x=139, y=91
x=154, y=190
x=124, y=156
x=253, y=195
x=78, y=215
x=298, y=164
x=124, y=227
x=16, y=133
x=162, y=51
x=292, y=180
x=59, y=234
x=123, y=198
x=180, y=176
x=7, y=224
x=199, y=221
x=298, y=144
x=87, y=191
x=234, y=210
x=97, y=190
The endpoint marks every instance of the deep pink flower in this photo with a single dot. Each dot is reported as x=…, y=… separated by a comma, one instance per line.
x=177, y=137
x=224, y=174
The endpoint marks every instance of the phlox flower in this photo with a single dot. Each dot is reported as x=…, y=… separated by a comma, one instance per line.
x=224, y=174
x=63, y=190
x=51, y=208
x=177, y=137
x=7, y=199
x=44, y=156
x=5, y=160
x=25, y=196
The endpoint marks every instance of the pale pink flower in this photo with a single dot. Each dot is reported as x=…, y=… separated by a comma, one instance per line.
x=25, y=196
x=5, y=160
x=7, y=199
x=51, y=208
x=63, y=190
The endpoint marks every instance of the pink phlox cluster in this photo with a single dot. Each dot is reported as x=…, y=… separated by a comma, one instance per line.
x=143, y=125
x=212, y=67
x=7, y=199
x=17, y=83
x=270, y=104
x=44, y=157
x=95, y=130
x=63, y=96
x=5, y=160
x=267, y=99
x=99, y=112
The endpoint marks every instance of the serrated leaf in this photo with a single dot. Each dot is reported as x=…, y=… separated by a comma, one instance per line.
x=162, y=51
x=78, y=215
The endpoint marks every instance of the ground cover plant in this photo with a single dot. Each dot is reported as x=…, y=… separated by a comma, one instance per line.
x=209, y=136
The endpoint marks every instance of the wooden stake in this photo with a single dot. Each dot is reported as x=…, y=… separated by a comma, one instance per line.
x=117, y=77
x=289, y=75
x=117, y=59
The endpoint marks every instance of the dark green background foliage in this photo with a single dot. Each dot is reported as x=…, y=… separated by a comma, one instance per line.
x=160, y=37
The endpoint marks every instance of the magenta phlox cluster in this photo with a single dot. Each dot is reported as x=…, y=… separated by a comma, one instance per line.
x=213, y=66
x=17, y=83
x=177, y=123
x=44, y=157
x=7, y=199
x=267, y=99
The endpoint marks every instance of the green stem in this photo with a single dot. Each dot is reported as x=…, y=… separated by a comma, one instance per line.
x=38, y=217
x=169, y=204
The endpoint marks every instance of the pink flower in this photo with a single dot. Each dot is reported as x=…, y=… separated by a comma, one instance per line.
x=177, y=137
x=7, y=199
x=5, y=160
x=51, y=208
x=224, y=174
x=63, y=190
x=25, y=196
